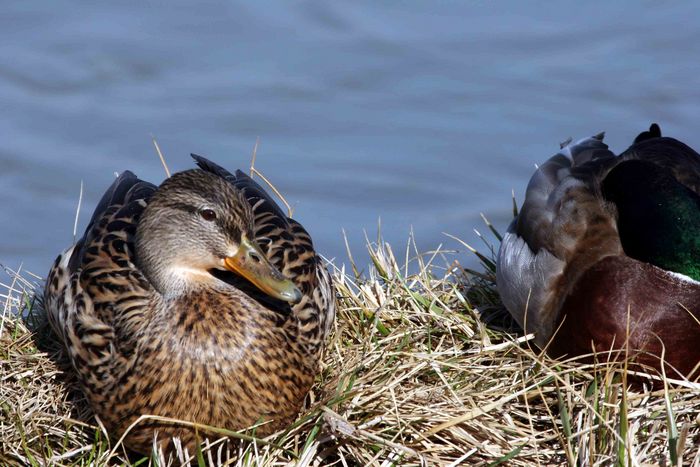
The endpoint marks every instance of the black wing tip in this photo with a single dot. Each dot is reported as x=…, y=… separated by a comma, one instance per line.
x=127, y=175
x=201, y=161
x=240, y=175
x=653, y=132
x=212, y=167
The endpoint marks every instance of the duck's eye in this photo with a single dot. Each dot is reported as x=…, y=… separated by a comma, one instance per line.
x=207, y=214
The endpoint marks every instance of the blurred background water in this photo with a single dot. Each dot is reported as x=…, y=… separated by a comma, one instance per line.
x=423, y=114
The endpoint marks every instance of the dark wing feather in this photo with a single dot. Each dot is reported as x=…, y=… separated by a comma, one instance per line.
x=561, y=193
x=125, y=194
x=115, y=194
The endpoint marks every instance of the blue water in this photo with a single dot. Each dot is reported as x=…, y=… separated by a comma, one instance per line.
x=423, y=114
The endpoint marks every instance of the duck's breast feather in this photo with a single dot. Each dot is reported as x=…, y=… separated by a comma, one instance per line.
x=624, y=303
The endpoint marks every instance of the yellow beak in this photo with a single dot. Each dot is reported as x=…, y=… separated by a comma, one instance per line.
x=251, y=263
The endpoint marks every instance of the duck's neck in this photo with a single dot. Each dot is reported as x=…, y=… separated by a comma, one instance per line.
x=658, y=217
x=162, y=260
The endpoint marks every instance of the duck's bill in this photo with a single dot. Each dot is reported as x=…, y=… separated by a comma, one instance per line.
x=251, y=263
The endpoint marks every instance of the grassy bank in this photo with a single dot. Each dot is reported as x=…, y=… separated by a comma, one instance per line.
x=424, y=367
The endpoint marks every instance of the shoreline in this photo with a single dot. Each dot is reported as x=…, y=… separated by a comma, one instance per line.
x=420, y=370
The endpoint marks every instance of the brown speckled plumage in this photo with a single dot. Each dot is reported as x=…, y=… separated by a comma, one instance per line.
x=580, y=277
x=154, y=326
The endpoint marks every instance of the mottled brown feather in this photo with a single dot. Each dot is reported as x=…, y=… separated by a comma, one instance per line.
x=219, y=355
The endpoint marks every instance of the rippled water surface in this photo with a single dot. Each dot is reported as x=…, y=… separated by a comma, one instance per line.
x=421, y=114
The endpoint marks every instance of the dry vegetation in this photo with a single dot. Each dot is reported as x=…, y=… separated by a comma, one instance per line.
x=423, y=368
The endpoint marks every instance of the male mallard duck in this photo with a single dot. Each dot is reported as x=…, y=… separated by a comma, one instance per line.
x=198, y=300
x=608, y=246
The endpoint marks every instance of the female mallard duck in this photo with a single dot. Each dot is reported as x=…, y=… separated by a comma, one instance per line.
x=605, y=253
x=198, y=300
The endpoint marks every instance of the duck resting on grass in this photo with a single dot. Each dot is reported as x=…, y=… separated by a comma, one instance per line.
x=198, y=300
x=605, y=254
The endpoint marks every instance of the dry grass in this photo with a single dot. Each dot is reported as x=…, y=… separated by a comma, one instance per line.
x=422, y=368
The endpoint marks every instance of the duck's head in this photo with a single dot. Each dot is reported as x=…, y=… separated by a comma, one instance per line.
x=197, y=222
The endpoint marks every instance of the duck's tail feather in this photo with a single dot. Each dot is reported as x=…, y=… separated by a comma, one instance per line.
x=126, y=191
